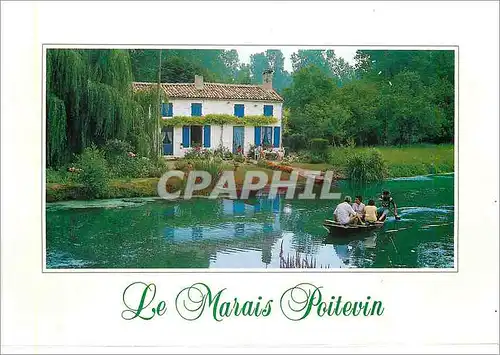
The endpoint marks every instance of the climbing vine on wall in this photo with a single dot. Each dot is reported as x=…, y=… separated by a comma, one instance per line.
x=219, y=119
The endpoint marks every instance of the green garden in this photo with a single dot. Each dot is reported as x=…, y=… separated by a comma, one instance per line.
x=390, y=114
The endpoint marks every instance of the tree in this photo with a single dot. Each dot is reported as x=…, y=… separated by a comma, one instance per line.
x=315, y=111
x=258, y=64
x=308, y=85
x=413, y=120
x=305, y=58
x=231, y=64
x=177, y=69
x=362, y=98
x=244, y=74
x=145, y=64
x=90, y=100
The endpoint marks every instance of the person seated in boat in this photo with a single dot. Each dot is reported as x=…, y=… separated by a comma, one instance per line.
x=359, y=207
x=386, y=202
x=371, y=212
x=344, y=214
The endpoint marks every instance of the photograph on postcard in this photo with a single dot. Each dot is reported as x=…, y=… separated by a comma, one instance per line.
x=249, y=158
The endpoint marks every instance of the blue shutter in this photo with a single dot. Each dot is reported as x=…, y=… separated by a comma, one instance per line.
x=276, y=137
x=170, y=110
x=257, y=136
x=239, y=110
x=206, y=136
x=164, y=110
x=268, y=110
x=195, y=109
x=185, y=136
x=276, y=204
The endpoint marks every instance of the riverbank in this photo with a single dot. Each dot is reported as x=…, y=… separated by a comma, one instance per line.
x=144, y=187
x=405, y=161
x=401, y=162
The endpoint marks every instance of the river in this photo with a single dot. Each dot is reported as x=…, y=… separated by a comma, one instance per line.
x=255, y=233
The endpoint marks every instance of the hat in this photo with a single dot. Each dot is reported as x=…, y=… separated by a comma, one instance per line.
x=348, y=199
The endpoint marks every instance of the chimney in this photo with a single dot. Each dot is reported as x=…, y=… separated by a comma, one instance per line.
x=198, y=82
x=267, y=79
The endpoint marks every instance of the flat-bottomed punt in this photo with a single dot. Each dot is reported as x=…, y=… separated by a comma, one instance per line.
x=332, y=226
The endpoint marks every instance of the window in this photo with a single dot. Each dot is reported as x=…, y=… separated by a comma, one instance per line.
x=167, y=109
x=196, y=136
x=239, y=110
x=267, y=135
x=196, y=109
x=268, y=110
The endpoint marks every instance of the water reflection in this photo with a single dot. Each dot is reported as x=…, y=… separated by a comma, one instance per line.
x=253, y=233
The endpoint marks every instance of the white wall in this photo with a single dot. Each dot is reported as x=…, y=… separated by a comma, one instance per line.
x=215, y=138
x=183, y=108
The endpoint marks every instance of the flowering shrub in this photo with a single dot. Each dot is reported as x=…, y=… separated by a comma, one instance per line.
x=281, y=167
x=223, y=153
x=199, y=153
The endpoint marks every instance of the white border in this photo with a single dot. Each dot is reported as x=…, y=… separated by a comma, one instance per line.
x=425, y=312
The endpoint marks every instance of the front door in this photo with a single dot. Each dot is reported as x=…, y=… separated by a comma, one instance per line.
x=168, y=140
x=238, y=139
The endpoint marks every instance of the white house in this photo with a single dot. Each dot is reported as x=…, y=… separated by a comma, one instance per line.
x=201, y=99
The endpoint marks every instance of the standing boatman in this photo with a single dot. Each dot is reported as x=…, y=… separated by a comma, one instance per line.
x=386, y=202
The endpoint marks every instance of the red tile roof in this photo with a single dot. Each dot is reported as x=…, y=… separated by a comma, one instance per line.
x=215, y=91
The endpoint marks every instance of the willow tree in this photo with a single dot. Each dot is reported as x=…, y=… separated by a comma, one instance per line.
x=90, y=99
x=144, y=125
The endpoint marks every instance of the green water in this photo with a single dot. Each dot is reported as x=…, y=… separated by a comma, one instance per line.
x=255, y=233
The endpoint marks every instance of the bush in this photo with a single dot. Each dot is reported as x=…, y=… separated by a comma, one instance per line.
x=136, y=167
x=213, y=167
x=262, y=163
x=223, y=153
x=157, y=167
x=180, y=165
x=311, y=157
x=295, y=142
x=319, y=145
x=116, y=148
x=366, y=166
x=239, y=158
x=198, y=153
x=94, y=175
x=60, y=176
x=316, y=158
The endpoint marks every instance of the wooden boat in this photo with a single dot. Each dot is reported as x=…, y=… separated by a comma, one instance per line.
x=332, y=226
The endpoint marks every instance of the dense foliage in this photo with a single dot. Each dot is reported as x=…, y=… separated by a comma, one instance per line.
x=90, y=100
x=390, y=98
x=93, y=174
x=395, y=97
x=220, y=119
x=366, y=166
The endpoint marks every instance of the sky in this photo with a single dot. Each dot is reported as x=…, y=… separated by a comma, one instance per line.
x=244, y=53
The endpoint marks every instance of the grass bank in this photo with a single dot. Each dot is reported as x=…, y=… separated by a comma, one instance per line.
x=139, y=187
x=119, y=188
x=401, y=161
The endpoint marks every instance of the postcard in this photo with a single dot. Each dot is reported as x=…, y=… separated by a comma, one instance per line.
x=171, y=187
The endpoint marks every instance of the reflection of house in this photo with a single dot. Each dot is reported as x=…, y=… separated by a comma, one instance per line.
x=199, y=99
x=231, y=229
